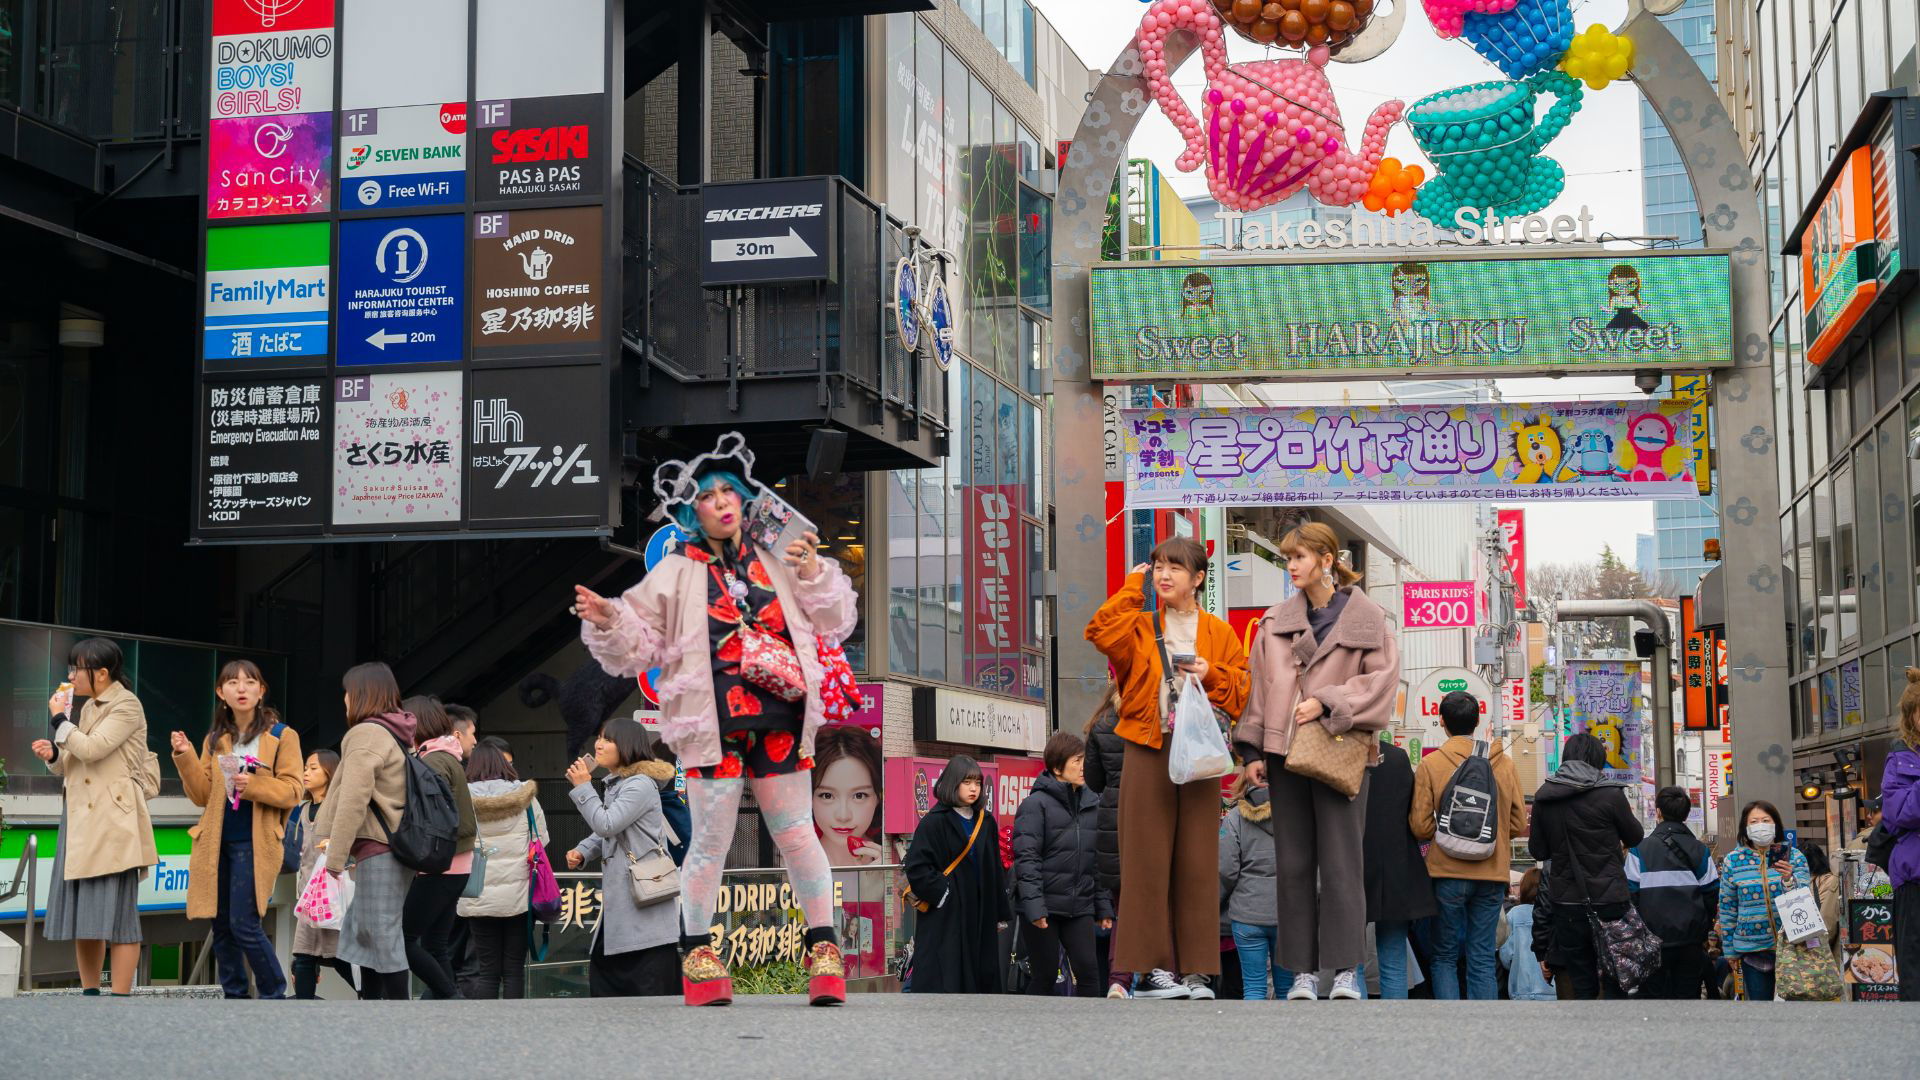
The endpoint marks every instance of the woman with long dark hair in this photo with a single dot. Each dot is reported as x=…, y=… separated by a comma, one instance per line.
x=106, y=838
x=368, y=796
x=846, y=795
x=312, y=946
x=247, y=777
x=634, y=946
x=953, y=866
x=509, y=821
x=746, y=639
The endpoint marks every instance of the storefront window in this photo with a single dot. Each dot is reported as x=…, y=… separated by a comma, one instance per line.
x=1845, y=578
x=1036, y=250
x=1808, y=621
x=903, y=578
x=838, y=507
x=898, y=167
x=1871, y=621
x=1890, y=509
x=929, y=187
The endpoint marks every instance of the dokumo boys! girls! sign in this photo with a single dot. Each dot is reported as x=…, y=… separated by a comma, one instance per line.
x=1431, y=314
x=1596, y=450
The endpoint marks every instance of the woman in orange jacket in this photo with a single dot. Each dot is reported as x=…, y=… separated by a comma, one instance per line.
x=1169, y=903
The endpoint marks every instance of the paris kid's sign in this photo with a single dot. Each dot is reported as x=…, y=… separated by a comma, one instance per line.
x=1594, y=450
x=1454, y=314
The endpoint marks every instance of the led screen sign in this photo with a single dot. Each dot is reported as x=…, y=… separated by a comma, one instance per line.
x=1418, y=314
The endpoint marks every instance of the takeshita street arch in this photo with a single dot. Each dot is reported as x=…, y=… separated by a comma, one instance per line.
x=1742, y=390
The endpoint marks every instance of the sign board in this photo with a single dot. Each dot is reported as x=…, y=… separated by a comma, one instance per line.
x=263, y=453
x=1509, y=452
x=1699, y=693
x=1449, y=315
x=1513, y=529
x=539, y=280
x=402, y=54
x=266, y=295
x=1517, y=712
x=1437, y=605
x=1695, y=389
x=911, y=779
x=413, y=155
x=397, y=450
x=956, y=716
x=162, y=889
x=402, y=290
x=529, y=456
x=540, y=148
x=270, y=108
x=1606, y=705
x=765, y=232
x=1423, y=701
x=1839, y=271
x=996, y=579
x=1871, y=971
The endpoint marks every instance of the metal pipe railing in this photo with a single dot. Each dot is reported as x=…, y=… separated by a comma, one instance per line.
x=28, y=868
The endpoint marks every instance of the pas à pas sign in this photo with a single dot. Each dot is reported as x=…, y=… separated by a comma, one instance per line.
x=1366, y=229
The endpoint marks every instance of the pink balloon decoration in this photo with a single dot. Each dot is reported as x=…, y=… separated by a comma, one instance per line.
x=1449, y=16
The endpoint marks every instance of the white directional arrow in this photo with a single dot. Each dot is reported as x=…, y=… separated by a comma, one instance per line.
x=748, y=249
x=380, y=339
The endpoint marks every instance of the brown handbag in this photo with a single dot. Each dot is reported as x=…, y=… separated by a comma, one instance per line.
x=1338, y=761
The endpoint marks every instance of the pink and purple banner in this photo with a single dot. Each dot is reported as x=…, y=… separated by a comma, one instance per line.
x=1437, y=605
x=1502, y=451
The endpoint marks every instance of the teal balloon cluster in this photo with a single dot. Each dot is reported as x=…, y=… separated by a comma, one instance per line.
x=1484, y=142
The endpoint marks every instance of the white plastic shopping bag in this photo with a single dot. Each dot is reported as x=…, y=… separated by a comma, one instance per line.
x=323, y=903
x=1196, y=750
x=1799, y=914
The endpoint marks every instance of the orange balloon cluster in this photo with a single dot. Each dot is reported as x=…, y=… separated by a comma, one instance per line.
x=1393, y=186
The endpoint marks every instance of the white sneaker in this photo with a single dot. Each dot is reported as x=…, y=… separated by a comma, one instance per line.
x=1345, y=986
x=1162, y=984
x=1306, y=987
x=1118, y=992
x=1197, y=988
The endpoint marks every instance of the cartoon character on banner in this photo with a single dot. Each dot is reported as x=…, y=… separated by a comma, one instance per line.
x=1267, y=129
x=1591, y=457
x=1537, y=450
x=1651, y=437
x=1412, y=290
x=1623, y=296
x=1520, y=37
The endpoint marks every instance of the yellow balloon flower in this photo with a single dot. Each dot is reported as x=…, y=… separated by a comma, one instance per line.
x=1598, y=56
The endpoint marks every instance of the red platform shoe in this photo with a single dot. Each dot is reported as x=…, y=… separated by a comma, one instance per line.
x=826, y=975
x=704, y=978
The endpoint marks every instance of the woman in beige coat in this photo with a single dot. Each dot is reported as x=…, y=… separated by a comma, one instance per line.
x=236, y=846
x=106, y=838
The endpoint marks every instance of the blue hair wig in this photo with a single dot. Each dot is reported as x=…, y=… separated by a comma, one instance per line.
x=688, y=519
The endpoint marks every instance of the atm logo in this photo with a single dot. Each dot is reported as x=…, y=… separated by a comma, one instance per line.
x=540, y=144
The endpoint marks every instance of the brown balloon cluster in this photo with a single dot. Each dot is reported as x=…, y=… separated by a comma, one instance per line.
x=1296, y=22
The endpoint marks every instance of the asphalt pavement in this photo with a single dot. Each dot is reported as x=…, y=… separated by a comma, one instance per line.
x=950, y=1038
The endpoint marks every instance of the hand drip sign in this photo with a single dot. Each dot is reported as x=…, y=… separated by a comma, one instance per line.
x=537, y=266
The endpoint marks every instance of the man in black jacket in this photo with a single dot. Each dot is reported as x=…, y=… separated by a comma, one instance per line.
x=1676, y=886
x=1581, y=822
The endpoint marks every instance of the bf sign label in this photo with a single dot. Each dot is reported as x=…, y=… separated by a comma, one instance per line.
x=403, y=291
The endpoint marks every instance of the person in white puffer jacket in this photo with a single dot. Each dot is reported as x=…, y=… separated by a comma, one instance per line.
x=509, y=817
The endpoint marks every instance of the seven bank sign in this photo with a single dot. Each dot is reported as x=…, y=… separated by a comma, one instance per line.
x=411, y=156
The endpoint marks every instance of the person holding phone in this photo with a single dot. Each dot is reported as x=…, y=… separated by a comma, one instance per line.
x=1169, y=834
x=743, y=638
x=1752, y=876
x=106, y=837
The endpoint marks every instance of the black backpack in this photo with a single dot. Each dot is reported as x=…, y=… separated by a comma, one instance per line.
x=423, y=839
x=1464, y=826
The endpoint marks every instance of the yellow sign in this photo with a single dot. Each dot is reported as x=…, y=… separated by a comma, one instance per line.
x=1694, y=388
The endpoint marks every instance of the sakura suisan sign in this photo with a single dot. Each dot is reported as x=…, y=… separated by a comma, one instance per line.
x=1508, y=452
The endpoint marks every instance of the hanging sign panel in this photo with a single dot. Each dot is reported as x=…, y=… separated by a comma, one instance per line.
x=1437, y=605
x=1444, y=315
x=1606, y=705
x=1507, y=452
x=530, y=455
x=554, y=48
x=263, y=454
x=539, y=148
x=270, y=108
x=411, y=53
x=410, y=156
x=266, y=295
x=538, y=280
x=402, y=290
x=396, y=448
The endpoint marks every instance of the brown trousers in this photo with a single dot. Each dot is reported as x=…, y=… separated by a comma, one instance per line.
x=1320, y=876
x=1169, y=870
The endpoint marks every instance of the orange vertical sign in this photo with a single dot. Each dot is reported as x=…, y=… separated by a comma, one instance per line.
x=1839, y=271
x=1696, y=672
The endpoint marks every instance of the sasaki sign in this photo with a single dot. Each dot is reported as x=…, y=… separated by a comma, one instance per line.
x=1437, y=605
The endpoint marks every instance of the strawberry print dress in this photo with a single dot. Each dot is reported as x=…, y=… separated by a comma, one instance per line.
x=759, y=731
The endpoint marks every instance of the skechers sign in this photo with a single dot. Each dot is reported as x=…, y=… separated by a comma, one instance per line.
x=539, y=148
x=767, y=232
x=1453, y=314
x=413, y=156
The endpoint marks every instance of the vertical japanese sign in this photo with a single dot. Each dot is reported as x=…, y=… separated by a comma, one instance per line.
x=1694, y=389
x=1515, y=691
x=1696, y=671
x=1872, y=973
x=1513, y=529
x=403, y=104
x=1606, y=705
x=270, y=108
x=996, y=572
x=397, y=449
x=266, y=295
x=263, y=453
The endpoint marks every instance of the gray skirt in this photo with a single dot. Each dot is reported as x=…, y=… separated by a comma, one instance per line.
x=104, y=908
x=370, y=934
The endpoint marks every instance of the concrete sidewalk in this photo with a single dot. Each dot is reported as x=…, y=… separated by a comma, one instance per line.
x=953, y=1037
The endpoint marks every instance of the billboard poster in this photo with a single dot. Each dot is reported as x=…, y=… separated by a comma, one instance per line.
x=555, y=48
x=266, y=294
x=1696, y=672
x=529, y=454
x=1872, y=974
x=540, y=148
x=538, y=280
x=848, y=814
x=1513, y=529
x=1436, y=605
x=414, y=155
x=996, y=564
x=1695, y=390
x=1444, y=315
x=402, y=290
x=270, y=108
x=263, y=454
x=1508, y=452
x=1606, y=705
x=397, y=448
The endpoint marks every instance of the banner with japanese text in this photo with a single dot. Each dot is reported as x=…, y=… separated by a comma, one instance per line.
x=1501, y=451
x=1606, y=705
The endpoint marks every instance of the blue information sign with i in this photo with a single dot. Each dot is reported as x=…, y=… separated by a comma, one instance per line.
x=402, y=291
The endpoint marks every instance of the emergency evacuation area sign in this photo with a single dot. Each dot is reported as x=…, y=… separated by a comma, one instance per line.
x=767, y=232
x=402, y=290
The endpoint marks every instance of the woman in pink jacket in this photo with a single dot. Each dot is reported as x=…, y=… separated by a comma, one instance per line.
x=743, y=640
x=1326, y=656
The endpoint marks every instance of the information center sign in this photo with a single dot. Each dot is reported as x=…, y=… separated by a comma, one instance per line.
x=407, y=242
x=1453, y=314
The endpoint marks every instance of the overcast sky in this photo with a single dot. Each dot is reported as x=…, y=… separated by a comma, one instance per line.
x=1600, y=151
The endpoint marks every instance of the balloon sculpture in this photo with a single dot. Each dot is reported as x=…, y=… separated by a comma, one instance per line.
x=1598, y=57
x=1484, y=141
x=1520, y=37
x=1393, y=187
x=1295, y=22
x=1267, y=129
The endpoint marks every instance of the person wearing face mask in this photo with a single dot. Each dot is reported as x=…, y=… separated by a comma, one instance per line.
x=1169, y=834
x=744, y=637
x=1751, y=877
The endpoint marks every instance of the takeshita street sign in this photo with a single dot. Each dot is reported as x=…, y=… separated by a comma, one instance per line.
x=1411, y=313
